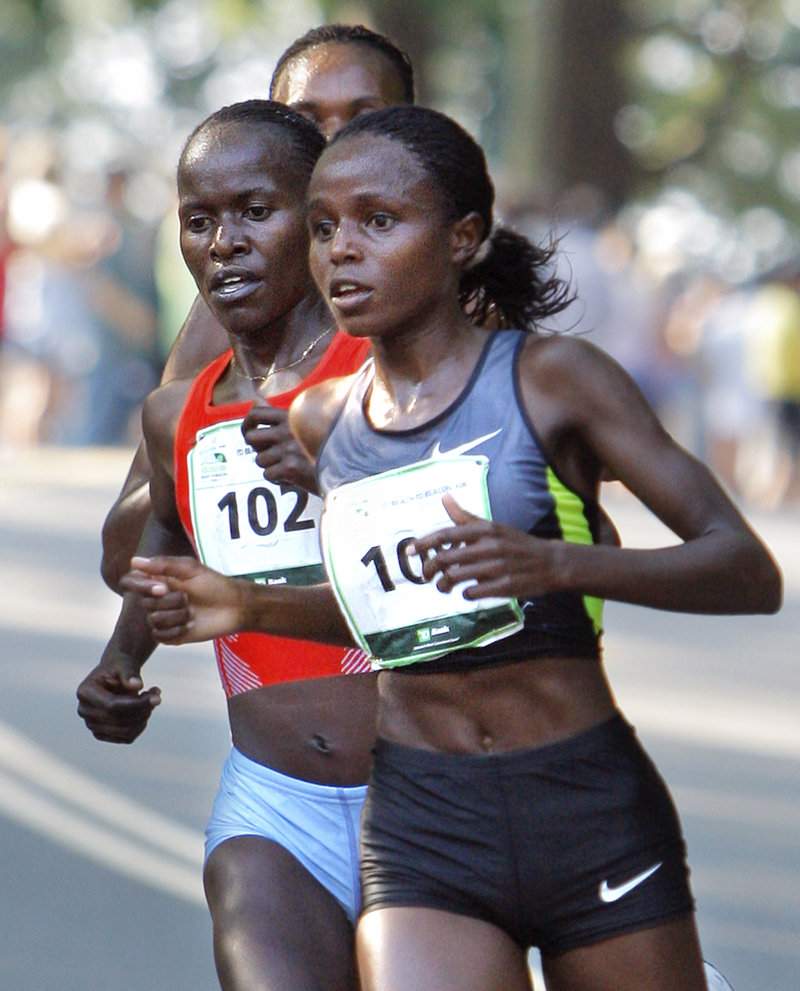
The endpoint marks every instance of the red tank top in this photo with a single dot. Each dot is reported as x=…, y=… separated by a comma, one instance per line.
x=250, y=660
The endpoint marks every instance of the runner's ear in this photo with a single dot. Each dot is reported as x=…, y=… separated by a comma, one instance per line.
x=466, y=235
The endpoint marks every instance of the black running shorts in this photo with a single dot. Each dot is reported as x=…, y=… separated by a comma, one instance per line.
x=560, y=846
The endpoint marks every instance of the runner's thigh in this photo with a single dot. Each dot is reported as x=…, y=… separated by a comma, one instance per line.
x=276, y=928
x=422, y=949
x=663, y=958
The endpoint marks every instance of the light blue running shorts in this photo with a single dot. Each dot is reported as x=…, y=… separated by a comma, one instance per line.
x=317, y=824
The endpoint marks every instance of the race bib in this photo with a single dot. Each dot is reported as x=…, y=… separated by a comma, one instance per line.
x=245, y=525
x=396, y=616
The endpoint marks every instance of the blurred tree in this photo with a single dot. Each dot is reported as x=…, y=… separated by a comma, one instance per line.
x=689, y=102
x=712, y=114
x=562, y=89
x=24, y=28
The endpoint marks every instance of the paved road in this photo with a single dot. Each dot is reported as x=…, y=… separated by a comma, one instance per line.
x=101, y=848
x=102, y=845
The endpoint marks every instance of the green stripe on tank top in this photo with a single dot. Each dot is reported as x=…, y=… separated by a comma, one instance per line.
x=574, y=529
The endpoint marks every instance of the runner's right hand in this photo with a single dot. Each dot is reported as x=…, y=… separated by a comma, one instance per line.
x=113, y=703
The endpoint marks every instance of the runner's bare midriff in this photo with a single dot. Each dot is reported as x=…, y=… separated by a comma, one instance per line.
x=514, y=706
x=320, y=729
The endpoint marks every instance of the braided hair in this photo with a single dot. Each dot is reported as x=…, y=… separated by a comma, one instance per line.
x=306, y=142
x=350, y=34
x=509, y=282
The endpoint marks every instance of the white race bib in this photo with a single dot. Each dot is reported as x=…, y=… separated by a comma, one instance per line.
x=245, y=525
x=396, y=616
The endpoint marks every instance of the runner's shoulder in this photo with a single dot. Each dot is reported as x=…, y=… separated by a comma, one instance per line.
x=314, y=410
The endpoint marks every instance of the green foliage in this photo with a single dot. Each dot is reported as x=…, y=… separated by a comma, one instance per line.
x=24, y=28
x=714, y=95
x=710, y=106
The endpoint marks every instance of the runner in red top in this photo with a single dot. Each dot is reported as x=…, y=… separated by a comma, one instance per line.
x=250, y=660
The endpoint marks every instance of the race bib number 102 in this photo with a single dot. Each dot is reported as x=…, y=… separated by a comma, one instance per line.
x=366, y=530
x=245, y=525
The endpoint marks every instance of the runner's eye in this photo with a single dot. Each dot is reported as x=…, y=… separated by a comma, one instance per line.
x=322, y=230
x=258, y=212
x=196, y=224
x=381, y=221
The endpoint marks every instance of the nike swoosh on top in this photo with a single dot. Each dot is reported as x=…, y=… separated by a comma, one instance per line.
x=462, y=448
x=609, y=894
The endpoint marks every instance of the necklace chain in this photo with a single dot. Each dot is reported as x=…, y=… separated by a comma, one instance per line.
x=272, y=370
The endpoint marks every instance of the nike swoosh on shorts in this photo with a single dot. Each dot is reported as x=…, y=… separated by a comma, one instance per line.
x=715, y=980
x=462, y=448
x=609, y=894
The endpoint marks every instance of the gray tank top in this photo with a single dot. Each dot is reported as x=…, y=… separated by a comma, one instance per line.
x=486, y=418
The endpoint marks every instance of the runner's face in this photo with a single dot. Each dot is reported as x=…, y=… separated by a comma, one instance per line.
x=332, y=83
x=381, y=252
x=243, y=234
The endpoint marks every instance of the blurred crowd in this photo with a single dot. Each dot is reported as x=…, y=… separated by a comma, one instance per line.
x=91, y=290
x=92, y=297
x=719, y=361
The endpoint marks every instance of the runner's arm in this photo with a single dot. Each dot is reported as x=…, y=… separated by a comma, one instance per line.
x=199, y=341
x=188, y=602
x=112, y=700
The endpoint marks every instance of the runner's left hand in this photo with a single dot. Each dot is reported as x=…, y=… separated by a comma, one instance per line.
x=266, y=430
x=499, y=560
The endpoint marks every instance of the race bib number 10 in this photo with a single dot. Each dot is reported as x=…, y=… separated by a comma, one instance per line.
x=245, y=525
x=367, y=527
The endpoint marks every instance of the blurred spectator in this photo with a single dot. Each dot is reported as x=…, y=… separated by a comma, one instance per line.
x=34, y=209
x=80, y=347
x=773, y=360
x=123, y=297
x=5, y=254
x=177, y=289
x=621, y=305
x=707, y=323
x=51, y=336
x=6, y=251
